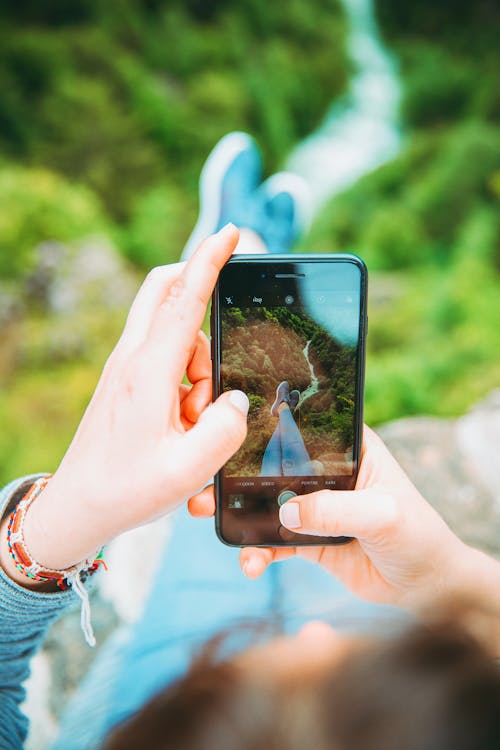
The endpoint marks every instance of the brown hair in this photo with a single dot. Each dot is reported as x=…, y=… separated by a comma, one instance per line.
x=212, y=707
x=432, y=688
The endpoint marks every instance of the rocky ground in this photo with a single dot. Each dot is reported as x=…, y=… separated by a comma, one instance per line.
x=453, y=463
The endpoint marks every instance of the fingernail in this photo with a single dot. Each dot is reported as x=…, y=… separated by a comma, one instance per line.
x=240, y=401
x=225, y=229
x=290, y=515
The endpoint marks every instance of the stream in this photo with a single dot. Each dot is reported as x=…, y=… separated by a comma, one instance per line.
x=361, y=131
x=313, y=387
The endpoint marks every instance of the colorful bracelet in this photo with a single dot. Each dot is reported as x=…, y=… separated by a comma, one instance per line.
x=23, y=558
x=73, y=576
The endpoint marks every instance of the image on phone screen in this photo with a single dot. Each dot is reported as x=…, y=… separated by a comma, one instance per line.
x=289, y=337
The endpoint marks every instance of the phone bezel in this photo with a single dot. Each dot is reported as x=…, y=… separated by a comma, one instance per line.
x=215, y=329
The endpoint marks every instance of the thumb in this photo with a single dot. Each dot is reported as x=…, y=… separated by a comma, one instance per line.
x=219, y=432
x=364, y=514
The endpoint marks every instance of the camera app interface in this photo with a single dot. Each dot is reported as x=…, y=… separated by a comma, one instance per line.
x=290, y=342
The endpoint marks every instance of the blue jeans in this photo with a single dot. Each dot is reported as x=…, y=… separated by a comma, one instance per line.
x=200, y=590
x=286, y=454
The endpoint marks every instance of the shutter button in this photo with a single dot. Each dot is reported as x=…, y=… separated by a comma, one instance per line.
x=286, y=495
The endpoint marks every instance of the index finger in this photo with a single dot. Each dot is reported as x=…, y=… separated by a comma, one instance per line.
x=202, y=271
x=179, y=317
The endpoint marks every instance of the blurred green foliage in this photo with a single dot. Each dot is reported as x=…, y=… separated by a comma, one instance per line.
x=157, y=226
x=39, y=205
x=108, y=111
x=428, y=223
x=411, y=211
x=125, y=97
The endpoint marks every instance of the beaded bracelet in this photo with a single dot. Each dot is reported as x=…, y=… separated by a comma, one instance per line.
x=73, y=577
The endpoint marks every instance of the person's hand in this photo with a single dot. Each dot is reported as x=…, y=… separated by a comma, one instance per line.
x=147, y=441
x=403, y=552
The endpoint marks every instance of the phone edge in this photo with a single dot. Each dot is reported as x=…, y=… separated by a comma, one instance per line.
x=361, y=364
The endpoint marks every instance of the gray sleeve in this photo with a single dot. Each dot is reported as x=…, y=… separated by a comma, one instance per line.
x=24, y=618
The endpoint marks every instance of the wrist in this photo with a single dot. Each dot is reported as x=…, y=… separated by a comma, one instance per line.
x=477, y=585
x=54, y=532
x=36, y=551
x=21, y=565
x=479, y=576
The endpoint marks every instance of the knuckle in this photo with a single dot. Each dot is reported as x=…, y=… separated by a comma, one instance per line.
x=391, y=512
x=321, y=516
x=176, y=292
x=158, y=272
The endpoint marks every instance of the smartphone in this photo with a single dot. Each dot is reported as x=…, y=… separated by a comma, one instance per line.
x=289, y=331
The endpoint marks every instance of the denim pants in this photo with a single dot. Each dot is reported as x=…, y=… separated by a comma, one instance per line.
x=286, y=454
x=199, y=591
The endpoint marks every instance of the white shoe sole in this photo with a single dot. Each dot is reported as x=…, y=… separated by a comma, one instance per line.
x=212, y=174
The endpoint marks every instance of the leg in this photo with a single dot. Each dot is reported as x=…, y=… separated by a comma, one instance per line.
x=307, y=592
x=295, y=458
x=198, y=592
x=277, y=210
x=271, y=460
x=228, y=181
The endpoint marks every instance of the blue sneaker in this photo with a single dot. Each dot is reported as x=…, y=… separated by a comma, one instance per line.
x=284, y=211
x=228, y=181
x=277, y=210
x=282, y=394
x=293, y=399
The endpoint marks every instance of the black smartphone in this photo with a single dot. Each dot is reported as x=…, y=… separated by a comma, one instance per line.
x=289, y=331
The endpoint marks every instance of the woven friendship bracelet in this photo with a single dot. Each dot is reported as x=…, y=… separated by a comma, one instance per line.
x=73, y=576
x=23, y=558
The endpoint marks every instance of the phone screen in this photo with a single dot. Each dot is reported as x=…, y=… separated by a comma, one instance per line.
x=290, y=334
